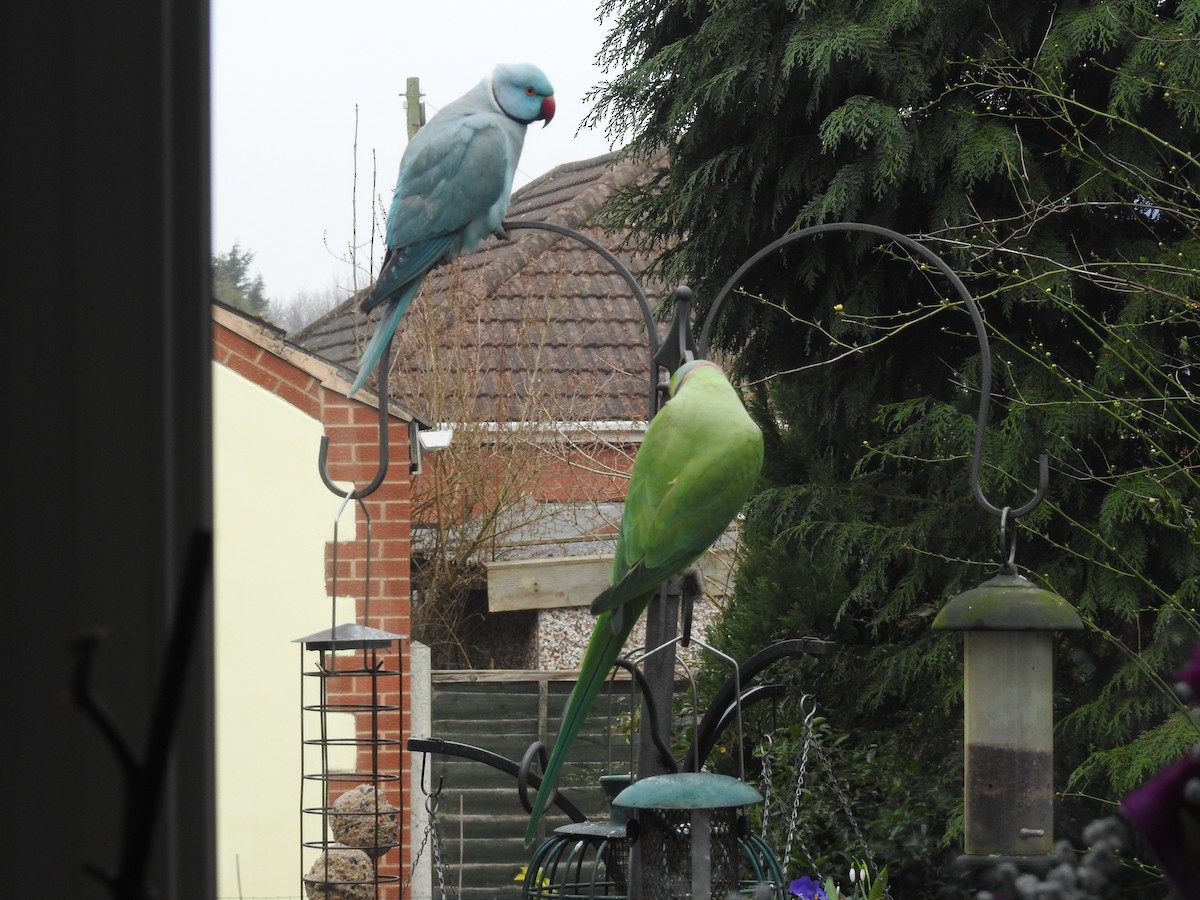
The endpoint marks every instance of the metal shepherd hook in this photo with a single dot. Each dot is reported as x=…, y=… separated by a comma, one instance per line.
x=1006, y=514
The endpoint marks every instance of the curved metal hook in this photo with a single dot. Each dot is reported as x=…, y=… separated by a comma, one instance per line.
x=538, y=749
x=381, y=472
x=430, y=795
x=985, y=379
x=385, y=360
x=495, y=760
x=808, y=708
x=627, y=276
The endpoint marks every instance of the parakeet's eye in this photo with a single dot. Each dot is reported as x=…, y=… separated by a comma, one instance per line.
x=530, y=92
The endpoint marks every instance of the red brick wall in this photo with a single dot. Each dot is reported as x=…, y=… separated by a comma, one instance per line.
x=353, y=456
x=581, y=474
x=595, y=473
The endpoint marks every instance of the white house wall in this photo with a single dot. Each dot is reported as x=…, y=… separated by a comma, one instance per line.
x=273, y=518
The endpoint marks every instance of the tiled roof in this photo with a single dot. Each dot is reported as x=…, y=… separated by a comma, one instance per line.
x=539, y=319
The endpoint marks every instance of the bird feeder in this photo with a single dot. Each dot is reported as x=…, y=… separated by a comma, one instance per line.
x=344, y=794
x=356, y=824
x=584, y=859
x=687, y=827
x=1008, y=624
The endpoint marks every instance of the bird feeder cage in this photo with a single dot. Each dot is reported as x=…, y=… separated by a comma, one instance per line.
x=584, y=859
x=1008, y=624
x=580, y=860
x=346, y=811
x=687, y=827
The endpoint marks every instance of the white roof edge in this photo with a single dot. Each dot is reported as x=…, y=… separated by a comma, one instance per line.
x=625, y=431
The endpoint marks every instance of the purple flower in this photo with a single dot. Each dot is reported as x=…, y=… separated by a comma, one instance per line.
x=807, y=889
x=1162, y=813
x=1165, y=809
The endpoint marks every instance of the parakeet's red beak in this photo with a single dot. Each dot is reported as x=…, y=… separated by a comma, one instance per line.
x=547, y=111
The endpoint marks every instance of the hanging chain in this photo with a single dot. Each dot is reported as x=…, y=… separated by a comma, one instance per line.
x=768, y=789
x=810, y=744
x=412, y=869
x=796, y=783
x=439, y=862
x=432, y=835
x=868, y=857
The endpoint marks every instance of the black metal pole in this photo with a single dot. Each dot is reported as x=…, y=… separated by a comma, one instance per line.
x=662, y=625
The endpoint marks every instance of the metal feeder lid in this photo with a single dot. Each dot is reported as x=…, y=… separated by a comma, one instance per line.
x=687, y=790
x=602, y=830
x=348, y=636
x=1008, y=602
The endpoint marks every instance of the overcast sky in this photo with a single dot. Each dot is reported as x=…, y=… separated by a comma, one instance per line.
x=288, y=76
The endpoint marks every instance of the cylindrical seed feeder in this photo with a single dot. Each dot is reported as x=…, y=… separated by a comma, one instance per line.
x=686, y=827
x=1008, y=680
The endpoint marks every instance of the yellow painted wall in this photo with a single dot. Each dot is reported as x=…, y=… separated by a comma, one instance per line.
x=273, y=519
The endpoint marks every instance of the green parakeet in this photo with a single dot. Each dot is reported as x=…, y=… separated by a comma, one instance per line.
x=697, y=465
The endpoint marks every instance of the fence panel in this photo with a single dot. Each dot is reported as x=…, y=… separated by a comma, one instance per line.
x=480, y=817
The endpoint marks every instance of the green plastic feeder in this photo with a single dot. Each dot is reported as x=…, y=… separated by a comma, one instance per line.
x=686, y=827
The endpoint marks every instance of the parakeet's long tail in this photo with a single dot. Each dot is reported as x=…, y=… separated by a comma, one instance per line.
x=602, y=651
x=393, y=311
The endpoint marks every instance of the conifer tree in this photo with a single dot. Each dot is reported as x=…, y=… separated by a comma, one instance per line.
x=1051, y=153
x=232, y=282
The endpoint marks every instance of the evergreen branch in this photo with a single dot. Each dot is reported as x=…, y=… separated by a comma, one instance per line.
x=909, y=320
x=1065, y=105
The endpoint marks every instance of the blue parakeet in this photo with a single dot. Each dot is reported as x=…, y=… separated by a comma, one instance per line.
x=453, y=190
x=693, y=473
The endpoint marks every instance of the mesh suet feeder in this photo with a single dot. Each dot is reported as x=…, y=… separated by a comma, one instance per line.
x=687, y=827
x=346, y=797
x=352, y=806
